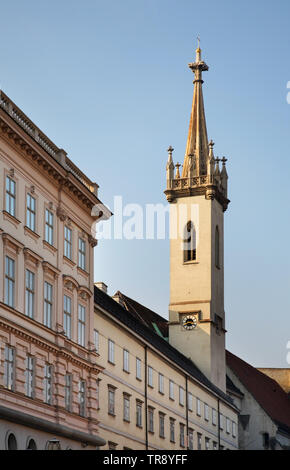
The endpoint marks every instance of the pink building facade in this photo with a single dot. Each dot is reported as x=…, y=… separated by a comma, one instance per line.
x=49, y=365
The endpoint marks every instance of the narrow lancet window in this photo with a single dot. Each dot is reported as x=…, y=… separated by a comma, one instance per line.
x=189, y=243
x=217, y=247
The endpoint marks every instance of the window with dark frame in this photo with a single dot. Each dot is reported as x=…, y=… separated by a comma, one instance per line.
x=189, y=243
x=10, y=196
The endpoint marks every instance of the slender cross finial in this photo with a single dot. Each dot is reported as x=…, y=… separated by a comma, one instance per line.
x=198, y=42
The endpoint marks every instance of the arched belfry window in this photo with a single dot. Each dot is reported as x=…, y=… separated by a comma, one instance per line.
x=189, y=243
x=217, y=247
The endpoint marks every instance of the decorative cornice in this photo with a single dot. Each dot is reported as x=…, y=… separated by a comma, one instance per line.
x=31, y=142
x=209, y=191
x=47, y=345
x=92, y=241
x=49, y=268
x=9, y=240
x=30, y=255
x=61, y=214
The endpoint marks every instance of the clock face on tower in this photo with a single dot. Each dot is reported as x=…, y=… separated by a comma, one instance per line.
x=189, y=322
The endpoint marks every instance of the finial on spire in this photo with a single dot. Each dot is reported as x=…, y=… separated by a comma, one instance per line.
x=198, y=42
x=177, y=166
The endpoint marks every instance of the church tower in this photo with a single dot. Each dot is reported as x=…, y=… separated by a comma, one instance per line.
x=198, y=200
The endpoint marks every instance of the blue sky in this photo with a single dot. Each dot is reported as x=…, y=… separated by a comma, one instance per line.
x=108, y=81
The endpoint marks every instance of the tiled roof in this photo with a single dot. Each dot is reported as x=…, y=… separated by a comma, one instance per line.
x=144, y=314
x=149, y=334
x=266, y=391
x=232, y=388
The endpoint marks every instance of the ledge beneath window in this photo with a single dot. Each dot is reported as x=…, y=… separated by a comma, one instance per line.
x=83, y=272
x=31, y=233
x=50, y=247
x=11, y=218
x=69, y=261
x=190, y=262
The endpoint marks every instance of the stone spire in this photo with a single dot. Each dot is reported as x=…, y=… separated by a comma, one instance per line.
x=201, y=172
x=197, y=141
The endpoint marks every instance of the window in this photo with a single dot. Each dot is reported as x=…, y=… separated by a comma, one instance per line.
x=181, y=435
x=150, y=376
x=266, y=440
x=190, y=439
x=139, y=414
x=111, y=401
x=81, y=325
x=48, y=227
x=161, y=425
x=138, y=368
x=181, y=396
x=151, y=419
x=82, y=397
x=11, y=442
x=228, y=426
x=190, y=401
x=111, y=351
x=31, y=445
x=126, y=403
x=221, y=421
x=214, y=417
x=218, y=324
x=171, y=389
x=68, y=242
x=214, y=446
x=29, y=293
x=9, y=368
x=234, y=429
x=98, y=393
x=189, y=243
x=10, y=196
x=206, y=412
x=29, y=377
x=161, y=383
x=30, y=212
x=47, y=385
x=67, y=316
x=207, y=443
x=68, y=391
x=96, y=340
x=217, y=247
x=172, y=429
x=82, y=254
x=9, y=281
x=47, y=304
x=126, y=360
x=198, y=407
x=199, y=445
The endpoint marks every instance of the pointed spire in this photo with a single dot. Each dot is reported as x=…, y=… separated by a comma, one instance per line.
x=224, y=176
x=177, y=166
x=197, y=141
x=170, y=163
x=210, y=163
x=169, y=168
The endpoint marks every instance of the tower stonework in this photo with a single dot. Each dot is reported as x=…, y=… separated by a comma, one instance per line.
x=198, y=200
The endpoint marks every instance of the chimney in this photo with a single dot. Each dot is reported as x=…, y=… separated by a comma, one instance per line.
x=102, y=286
x=117, y=298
